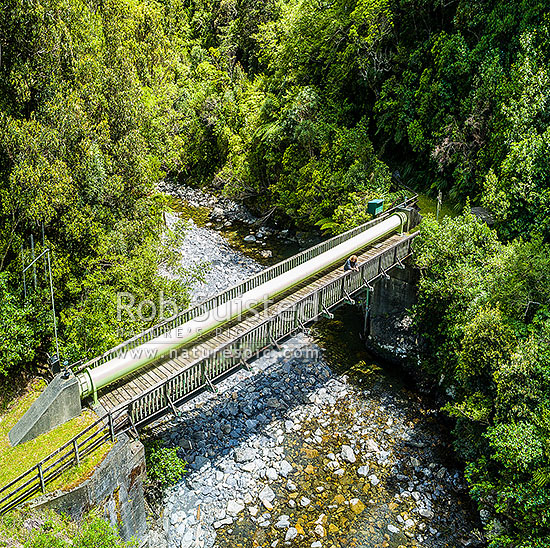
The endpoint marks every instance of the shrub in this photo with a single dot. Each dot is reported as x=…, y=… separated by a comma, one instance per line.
x=60, y=532
x=46, y=540
x=164, y=467
x=96, y=532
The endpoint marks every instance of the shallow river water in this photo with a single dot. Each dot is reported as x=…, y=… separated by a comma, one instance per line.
x=318, y=445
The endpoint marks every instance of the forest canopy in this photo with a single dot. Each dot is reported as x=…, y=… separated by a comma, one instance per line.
x=484, y=318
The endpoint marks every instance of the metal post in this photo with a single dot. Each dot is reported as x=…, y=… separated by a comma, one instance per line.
x=245, y=364
x=34, y=264
x=48, y=265
x=76, y=453
x=268, y=334
x=132, y=424
x=326, y=312
x=210, y=385
x=170, y=402
x=274, y=342
x=41, y=478
x=348, y=298
x=111, y=427
x=53, y=305
x=367, y=307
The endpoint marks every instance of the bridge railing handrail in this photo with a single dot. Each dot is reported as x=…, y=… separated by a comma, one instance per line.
x=239, y=288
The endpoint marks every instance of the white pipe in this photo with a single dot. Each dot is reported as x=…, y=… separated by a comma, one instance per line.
x=144, y=354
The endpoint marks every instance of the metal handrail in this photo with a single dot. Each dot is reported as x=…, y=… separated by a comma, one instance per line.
x=239, y=288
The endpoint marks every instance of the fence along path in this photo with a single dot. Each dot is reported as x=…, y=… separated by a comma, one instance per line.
x=219, y=356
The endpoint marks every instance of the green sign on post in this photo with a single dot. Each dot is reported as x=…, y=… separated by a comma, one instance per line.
x=374, y=207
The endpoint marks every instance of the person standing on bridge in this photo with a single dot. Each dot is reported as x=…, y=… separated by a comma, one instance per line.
x=351, y=264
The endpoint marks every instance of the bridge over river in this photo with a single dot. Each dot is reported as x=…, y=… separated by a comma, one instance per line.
x=171, y=377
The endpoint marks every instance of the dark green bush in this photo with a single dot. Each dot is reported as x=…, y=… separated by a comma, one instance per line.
x=164, y=467
x=494, y=363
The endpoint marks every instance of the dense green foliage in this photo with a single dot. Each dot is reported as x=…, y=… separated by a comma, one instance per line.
x=33, y=529
x=87, y=128
x=279, y=97
x=19, y=337
x=296, y=105
x=309, y=106
x=164, y=467
x=305, y=109
x=488, y=345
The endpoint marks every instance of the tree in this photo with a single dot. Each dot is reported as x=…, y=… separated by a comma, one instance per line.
x=19, y=342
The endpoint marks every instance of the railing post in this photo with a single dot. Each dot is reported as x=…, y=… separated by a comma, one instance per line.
x=76, y=453
x=111, y=427
x=272, y=340
x=131, y=412
x=41, y=477
x=268, y=333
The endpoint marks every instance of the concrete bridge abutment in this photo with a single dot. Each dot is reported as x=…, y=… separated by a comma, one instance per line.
x=116, y=490
x=389, y=332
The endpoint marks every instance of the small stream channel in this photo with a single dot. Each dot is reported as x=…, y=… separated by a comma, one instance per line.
x=318, y=445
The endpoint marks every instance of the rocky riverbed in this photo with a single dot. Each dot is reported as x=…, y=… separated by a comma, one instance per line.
x=256, y=237
x=316, y=446
x=221, y=265
x=293, y=453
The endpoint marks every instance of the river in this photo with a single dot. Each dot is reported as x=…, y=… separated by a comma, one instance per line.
x=318, y=445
